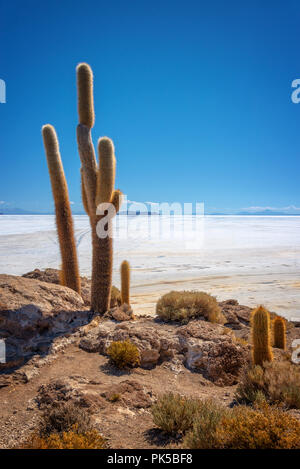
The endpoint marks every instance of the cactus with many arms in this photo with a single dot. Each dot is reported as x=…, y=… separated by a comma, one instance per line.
x=279, y=333
x=69, y=275
x=125, y=282
x=97, y=188
x=261, y=347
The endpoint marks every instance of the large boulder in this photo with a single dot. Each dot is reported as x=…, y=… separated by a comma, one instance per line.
x=32, y=313
x=214, y=351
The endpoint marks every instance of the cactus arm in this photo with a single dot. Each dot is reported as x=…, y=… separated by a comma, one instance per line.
x=279, y=330
x=116, y=199
x=125, y=282
x=64, y=221
x=89, y=165
x=83, y=193
x=85, y=95
x=106, y=171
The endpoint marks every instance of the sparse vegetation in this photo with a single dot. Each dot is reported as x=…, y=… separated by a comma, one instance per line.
x=65, y=426
x=63, y=417
x=277, y=383
x=123, y=354
x=262, y=427
x=174, y=413
x=182, y=306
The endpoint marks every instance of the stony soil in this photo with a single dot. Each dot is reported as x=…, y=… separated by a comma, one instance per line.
x=66, y=359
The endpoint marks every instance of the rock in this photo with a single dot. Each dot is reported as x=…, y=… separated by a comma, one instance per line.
x=52, y=276
x=63, y=390
x=26, y=373
x=210, y=349
x=130, y=393
x=149, y=358
x=33, y=313
x=122, y=313
x=237, y=316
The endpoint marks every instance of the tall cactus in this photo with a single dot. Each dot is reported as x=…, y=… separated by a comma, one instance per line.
x=70, y=272
x=97, y=188
x=279, y=333
x=261, y=347
x=125, y=283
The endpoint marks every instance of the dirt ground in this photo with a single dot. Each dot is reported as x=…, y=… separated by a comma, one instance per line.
x=124, y=424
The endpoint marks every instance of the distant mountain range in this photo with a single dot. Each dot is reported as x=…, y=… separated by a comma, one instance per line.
x=266, y=212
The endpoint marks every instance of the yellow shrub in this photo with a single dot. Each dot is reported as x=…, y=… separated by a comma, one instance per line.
x=262, y=428
x=186, y=305
x=68, y=440
x=124, y=354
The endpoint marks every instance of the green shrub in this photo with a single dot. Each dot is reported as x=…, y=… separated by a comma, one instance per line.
x=183, y=306
x=123, y=354
x=174, y=413
x=278, y=382
x=206, y=421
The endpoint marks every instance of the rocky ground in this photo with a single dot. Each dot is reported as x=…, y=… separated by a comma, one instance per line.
x=56, y=350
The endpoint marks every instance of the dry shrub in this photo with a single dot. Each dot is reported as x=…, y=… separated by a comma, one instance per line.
x=278, y=382
x=174, y=413
x=67, y=440
x=63, y=418
x=206, y=421
x=65, y=426
x=263, y=427
x=183, y=306
x=115, y=297
x=123, y=354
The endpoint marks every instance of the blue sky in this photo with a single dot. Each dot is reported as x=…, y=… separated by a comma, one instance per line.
x=196, y=96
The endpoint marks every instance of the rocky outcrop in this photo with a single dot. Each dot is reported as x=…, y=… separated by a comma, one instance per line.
x=214, y=351
x=210, y=349
x=237, y=316
x=52, y=276
x=33, y=313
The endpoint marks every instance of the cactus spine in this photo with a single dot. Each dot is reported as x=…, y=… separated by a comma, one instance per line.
x=70, y=272
x=125, y=283
x=279, y=333
x=97, y=188
x=260, y=322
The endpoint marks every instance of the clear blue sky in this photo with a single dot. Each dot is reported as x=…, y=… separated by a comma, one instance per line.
x=196, y=96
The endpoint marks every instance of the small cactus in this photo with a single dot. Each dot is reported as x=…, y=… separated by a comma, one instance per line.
x=125, y=283
x=260, y=322
x=70, y=272
x=279, y=333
